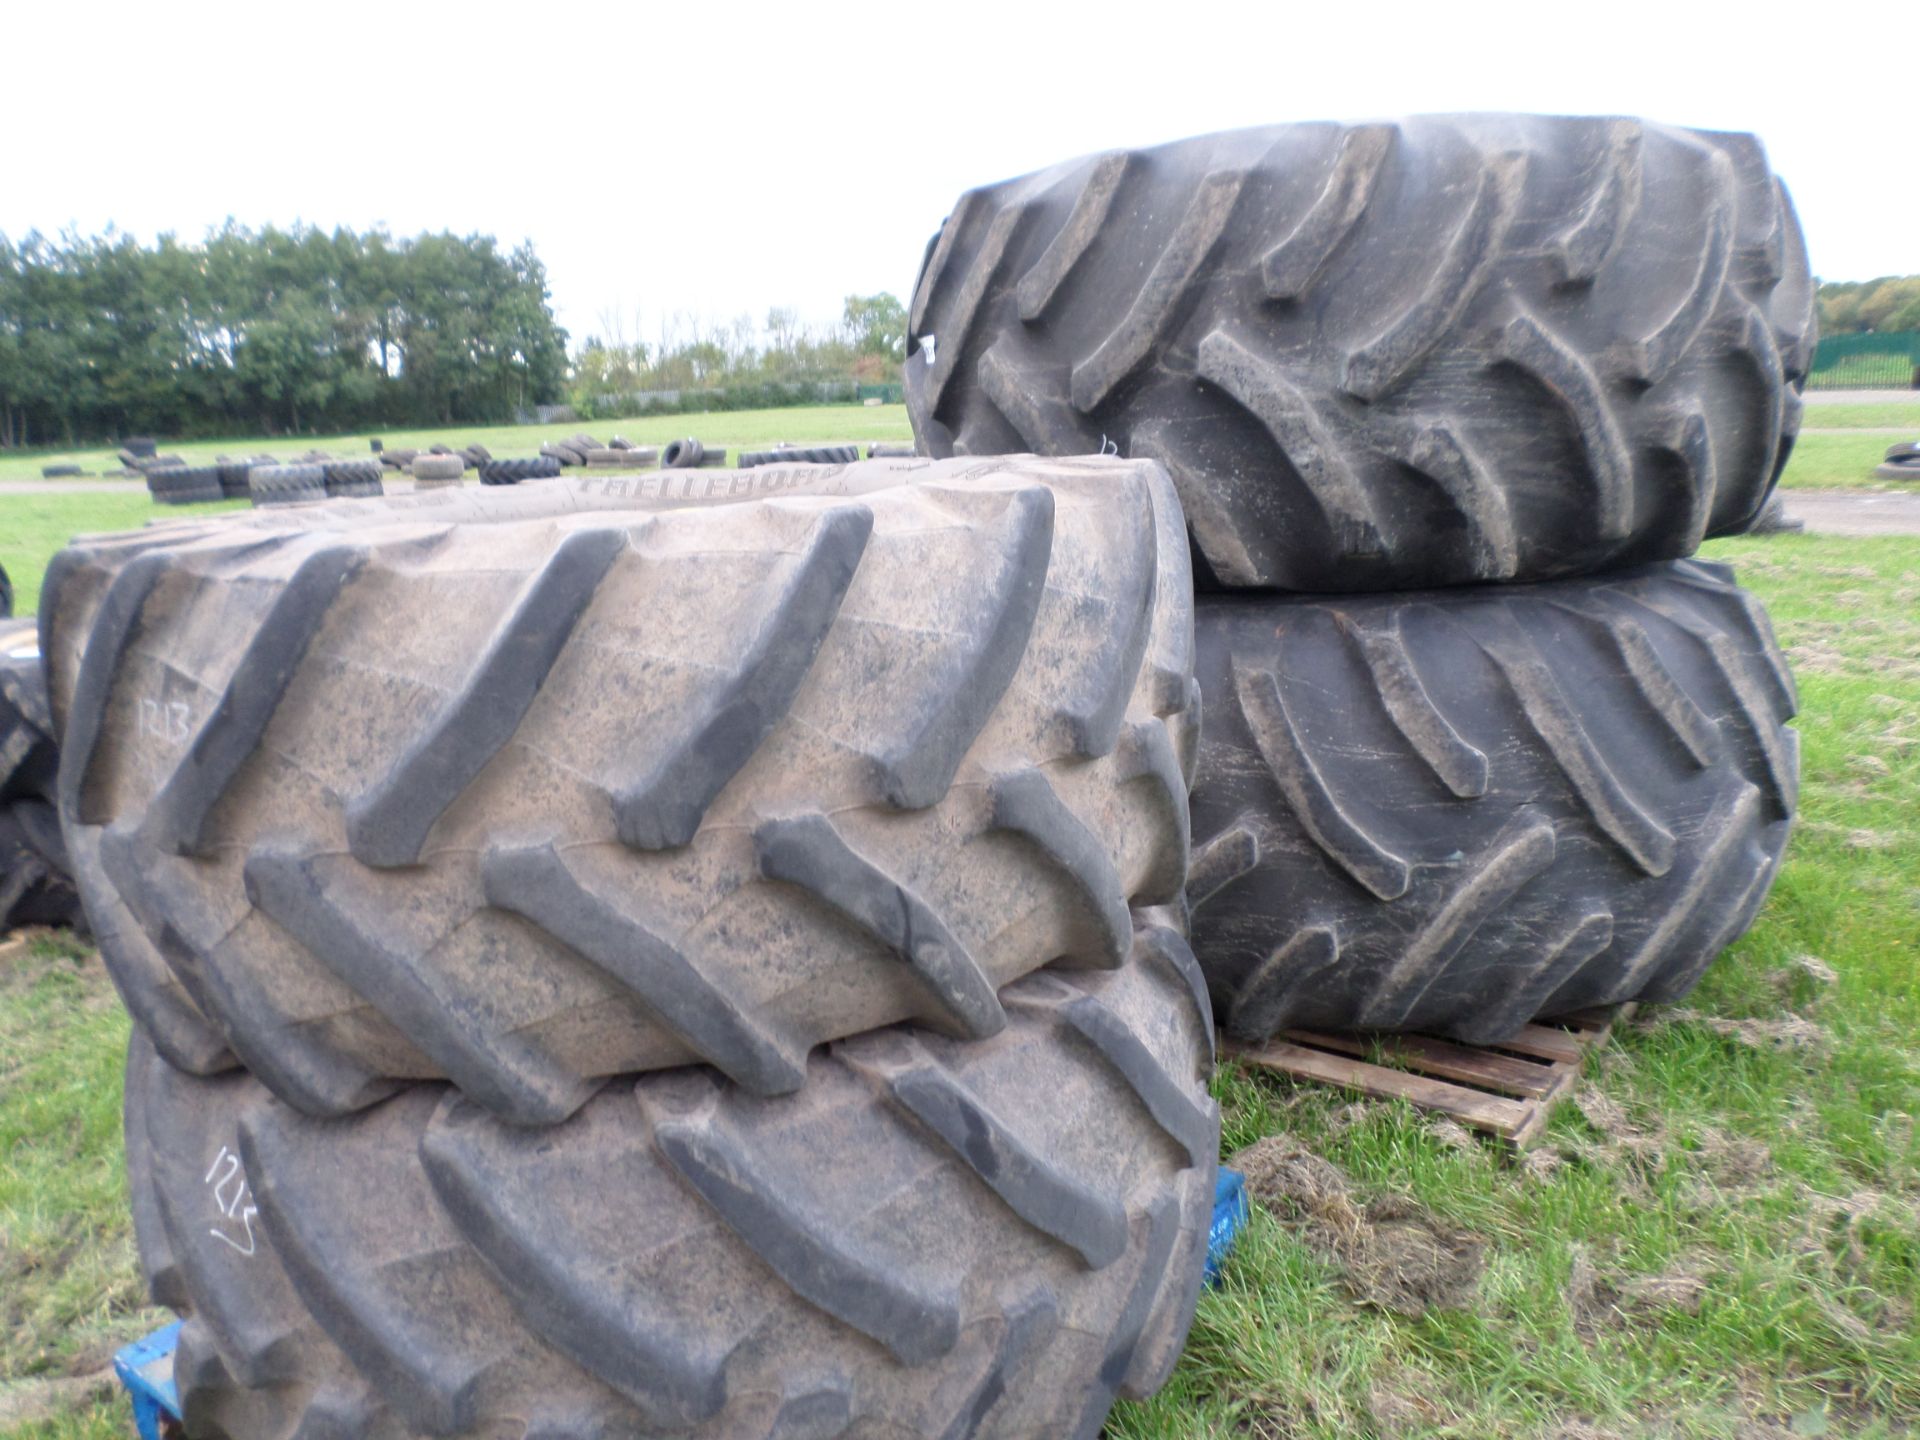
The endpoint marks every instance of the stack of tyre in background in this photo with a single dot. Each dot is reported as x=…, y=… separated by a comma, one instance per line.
x=712, y=981
x=1477, y=385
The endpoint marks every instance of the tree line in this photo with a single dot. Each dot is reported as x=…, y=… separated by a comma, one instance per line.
x=1853, y=307
x=762, y=363
x=269, y=330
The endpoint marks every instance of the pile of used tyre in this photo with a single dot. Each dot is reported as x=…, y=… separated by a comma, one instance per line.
x=730, y=974
x=1477, y=386
x=1901, y=462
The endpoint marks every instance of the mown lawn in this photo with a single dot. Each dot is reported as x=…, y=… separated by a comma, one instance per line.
x=1840, y=462
x=1901, y=409
x=730, y=429
x=1719, y=1237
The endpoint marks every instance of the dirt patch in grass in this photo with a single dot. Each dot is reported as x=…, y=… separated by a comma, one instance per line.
x=29, y=1402
x=1392, y=1253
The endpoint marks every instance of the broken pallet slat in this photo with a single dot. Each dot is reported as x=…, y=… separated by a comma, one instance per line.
x=1476, y=1107
x=1486, y=1069
x=1504, y=1089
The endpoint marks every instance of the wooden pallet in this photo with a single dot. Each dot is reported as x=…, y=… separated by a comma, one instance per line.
x=1503, y=1090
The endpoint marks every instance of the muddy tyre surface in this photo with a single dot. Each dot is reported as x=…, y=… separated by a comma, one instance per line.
x=1458, y=810
x=668, y=779
x=1437, y=351
x=933, y=1237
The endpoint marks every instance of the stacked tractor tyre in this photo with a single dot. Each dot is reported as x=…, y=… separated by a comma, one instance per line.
x=1533, y=360
x=749, y=967
x=713, y=981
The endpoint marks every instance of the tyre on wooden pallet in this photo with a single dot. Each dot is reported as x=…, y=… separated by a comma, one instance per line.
x=831, y=750
x=1455, y=811
x=36, y=877
x=1441, y=350
x=936, y=1237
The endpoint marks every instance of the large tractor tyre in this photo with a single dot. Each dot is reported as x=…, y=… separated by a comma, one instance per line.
x=186, y=485
x=1440, y=351
x=935, y=1237
x=353, y=479
x=36, y=884
x=29, y=756
x=36, y=887
x=665, y=781
x=1456, y=811
x=512, y=472
x=684, y=454
x=234, y=484
x=439, y=467
x=6, y=594
x=800, y=455
x=271, y=485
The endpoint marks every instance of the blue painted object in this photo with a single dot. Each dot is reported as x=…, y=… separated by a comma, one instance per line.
x=1229, y=1214
x=146, y=1369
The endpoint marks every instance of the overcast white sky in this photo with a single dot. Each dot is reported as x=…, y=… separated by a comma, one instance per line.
x=715, y=159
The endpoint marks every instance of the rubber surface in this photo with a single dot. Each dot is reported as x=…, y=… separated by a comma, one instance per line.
x=683, y=454
x=438, y=467
x=286, y=484
x=934, y=1238
x=36, y=885
x=353, y=479
x=800, y=455
x=1455, y=811
x=512, y=472
x=1437, y=351
x=664, y=781
x=185, y=485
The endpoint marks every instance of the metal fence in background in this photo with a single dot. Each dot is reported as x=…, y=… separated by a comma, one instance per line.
x=1867, y=362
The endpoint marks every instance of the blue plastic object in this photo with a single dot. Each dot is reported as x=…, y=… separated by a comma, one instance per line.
x=1229, y=1214
x=146, y=1368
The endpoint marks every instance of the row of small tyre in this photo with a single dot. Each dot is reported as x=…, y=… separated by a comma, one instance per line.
x=750, y=968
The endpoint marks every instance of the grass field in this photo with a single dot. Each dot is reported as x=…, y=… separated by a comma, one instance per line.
x=734, y=430
x=1719, y=1237
x=1820, y=462
x=1854, y=416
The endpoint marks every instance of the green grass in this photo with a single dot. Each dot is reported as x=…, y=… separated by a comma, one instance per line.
x=1782, y=1180
x=34, y=527
x=734, y=430
x=1838, y=462
x=1785, y=1180
x=1853, y=416
x=70, y=1290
